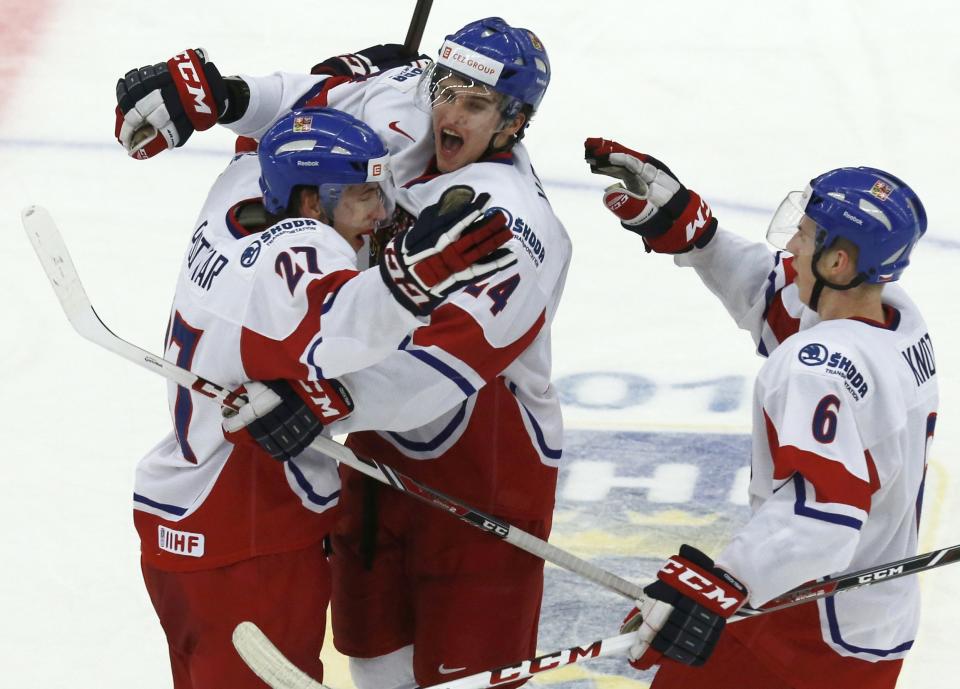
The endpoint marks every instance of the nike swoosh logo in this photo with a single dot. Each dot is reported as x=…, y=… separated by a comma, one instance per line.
x=449, y=670
x=394, y=127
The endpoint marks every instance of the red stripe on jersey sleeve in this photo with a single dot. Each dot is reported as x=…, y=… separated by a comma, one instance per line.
x=455, y=331
x=320, y=100
x=789, y=272
x=780, y=321
x=267, y=359
x=830, y=479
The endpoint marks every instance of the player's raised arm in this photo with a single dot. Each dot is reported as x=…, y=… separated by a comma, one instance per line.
x=160, y=106
x=746, y=276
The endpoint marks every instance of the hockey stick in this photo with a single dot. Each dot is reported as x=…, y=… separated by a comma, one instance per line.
x=276, y=670
x=418, y=23
x=53, y=255
x=831, y=586
x=270, y=665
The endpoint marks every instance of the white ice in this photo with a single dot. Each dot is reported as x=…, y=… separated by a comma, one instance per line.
x=744, y=101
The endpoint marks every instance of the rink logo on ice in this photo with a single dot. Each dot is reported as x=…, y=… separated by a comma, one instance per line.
x=813, y=354
x=180, y=542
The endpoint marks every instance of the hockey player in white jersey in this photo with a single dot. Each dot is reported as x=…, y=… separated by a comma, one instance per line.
x=269, y=290
x=419, y=598
x=844, y=411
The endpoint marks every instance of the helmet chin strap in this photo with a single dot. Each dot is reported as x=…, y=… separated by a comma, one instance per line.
x=820, y=282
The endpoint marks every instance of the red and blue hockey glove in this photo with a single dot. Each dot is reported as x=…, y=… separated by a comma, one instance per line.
x=283, y=417
x=160, y=106
x=363, y=63
x=452, y=243
x=650, y=201
x=684, y=612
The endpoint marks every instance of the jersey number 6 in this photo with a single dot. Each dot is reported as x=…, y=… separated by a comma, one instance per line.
x=824, y=425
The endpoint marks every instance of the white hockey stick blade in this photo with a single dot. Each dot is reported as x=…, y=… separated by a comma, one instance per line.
x=270, y=665
x=267, y=662
x=53, y=254
x=55, y=259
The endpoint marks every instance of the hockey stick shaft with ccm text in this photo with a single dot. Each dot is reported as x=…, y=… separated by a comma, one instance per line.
x=259, y=653
x=270, y=665
x=56, y=261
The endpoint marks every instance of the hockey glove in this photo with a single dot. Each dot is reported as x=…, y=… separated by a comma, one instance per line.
x=363, y=63
x=650, y=201
x=454, y=242
x=160, y=106
x=684, y=612
x=283, y=417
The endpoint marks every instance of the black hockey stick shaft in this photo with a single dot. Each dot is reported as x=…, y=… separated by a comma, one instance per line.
x=418, y=22
x=831, y=586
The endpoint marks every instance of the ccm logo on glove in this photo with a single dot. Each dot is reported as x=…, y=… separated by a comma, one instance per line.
x=718, y=598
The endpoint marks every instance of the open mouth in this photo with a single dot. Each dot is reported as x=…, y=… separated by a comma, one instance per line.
x=450, y=141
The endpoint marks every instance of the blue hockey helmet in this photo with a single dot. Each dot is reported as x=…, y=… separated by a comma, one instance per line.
x=510, y=60
x=870, y=208
x=318, y=147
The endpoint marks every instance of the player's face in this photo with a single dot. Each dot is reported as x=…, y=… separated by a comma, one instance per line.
x=359, y=211
x=465, y=119
x=802, y=245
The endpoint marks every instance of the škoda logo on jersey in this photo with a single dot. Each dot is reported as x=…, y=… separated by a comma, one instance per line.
x=815, y=354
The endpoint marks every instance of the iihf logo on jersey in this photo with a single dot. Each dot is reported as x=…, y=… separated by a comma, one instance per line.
x=250, y=255
x=813, y=354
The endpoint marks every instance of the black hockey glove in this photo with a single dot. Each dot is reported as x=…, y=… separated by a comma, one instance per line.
x=684, y=612
x=377, y=58
x=283, y=417
x=454, y=242
x=159, y=106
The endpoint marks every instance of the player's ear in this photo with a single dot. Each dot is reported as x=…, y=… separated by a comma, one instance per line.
x=516, y=124
x=309, y=204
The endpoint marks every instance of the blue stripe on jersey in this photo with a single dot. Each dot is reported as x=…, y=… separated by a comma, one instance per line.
x=435, y=363
x=437, y=440
x=304, y=484
x=837, y=639
x=318, y=372
x=801, y=508
x=541, y=441
x=762, y=348
x=169, y=509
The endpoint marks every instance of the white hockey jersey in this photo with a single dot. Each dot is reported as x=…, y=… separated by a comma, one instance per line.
x=472, y=389
x=283, y=302
x=844, y=412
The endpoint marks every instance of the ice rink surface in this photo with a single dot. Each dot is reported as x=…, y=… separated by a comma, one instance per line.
x=744, y=101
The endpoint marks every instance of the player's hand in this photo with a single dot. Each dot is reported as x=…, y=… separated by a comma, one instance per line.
x=649, y=200
x=454, y=242
x=684, y=611
x=284, y=417
x=363, y=63
x=159, y=106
